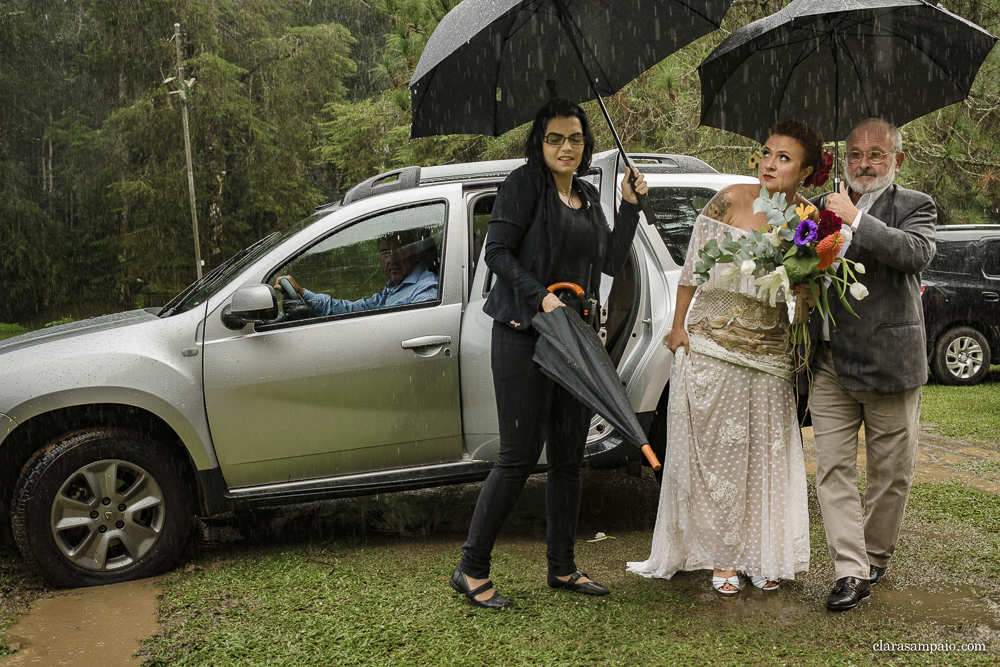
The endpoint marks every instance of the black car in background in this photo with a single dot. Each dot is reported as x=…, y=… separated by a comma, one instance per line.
x=961, y=297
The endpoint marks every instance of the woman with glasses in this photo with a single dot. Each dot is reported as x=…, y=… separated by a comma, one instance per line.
x=547, y=226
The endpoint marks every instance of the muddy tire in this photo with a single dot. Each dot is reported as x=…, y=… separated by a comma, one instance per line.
x=961, y=357
x=100, y=506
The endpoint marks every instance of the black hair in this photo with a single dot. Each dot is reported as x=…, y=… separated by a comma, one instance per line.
x=558, y=108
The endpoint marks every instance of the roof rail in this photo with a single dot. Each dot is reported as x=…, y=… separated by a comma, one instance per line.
x=659, y=163
x=390, y=181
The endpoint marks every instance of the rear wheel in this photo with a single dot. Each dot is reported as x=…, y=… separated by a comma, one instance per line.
x=961, y=357
x=100, y=506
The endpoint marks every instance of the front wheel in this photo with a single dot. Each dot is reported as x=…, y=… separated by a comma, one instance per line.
x=961, y=357
x=100, y=506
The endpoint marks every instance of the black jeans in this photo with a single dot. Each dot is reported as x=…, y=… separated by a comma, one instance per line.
x=532, y=410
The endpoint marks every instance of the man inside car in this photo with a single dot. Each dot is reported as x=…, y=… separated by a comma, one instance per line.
x=407, y=259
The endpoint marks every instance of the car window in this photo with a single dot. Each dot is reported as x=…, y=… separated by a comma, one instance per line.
x=991, y=263
x=389, y=260
x=676, y=209
x=951, y=257
x=482, y=209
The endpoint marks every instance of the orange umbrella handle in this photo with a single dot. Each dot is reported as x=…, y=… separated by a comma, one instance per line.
x=570, y=286
x=651, y=457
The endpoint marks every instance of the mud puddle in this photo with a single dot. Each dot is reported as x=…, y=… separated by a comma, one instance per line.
x=86, y=627
x=960, y=606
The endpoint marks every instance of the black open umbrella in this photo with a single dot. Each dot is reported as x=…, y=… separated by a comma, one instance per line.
x=835, y=63
x=491, y=64
x=571, y=353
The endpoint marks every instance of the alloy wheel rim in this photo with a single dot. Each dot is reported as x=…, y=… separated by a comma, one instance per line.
x=107, y=515
x=964, y=357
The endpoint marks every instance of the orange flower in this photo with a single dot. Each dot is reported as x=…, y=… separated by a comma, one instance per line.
x=828, y=249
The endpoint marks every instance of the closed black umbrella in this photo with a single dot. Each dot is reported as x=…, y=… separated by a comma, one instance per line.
x=835, y=63
x=491, y=64
x=571, y=353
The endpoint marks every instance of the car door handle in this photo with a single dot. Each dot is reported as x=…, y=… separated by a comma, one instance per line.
x=425, y=341
x=991, y=296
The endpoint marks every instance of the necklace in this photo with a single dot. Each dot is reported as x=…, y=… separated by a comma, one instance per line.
x=568, y=194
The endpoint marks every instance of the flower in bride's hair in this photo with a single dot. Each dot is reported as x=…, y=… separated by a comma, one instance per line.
x=772, y=283
x=748, y=267
x=828, y=249
x=859, y=291
x=805, y=233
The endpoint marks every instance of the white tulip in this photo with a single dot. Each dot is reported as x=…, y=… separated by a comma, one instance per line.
x=773, y=283
x=748, y=267
x=773, y=239
x=859, y=291
x=726, y=271
x=846, y=233
x=859, y=267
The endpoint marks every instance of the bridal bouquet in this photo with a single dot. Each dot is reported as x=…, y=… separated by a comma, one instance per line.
x=798, y=250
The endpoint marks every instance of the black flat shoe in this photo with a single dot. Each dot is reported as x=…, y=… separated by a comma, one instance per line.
x=587, y=588
x=876, y=573
x=847, y=593
x=461, y=585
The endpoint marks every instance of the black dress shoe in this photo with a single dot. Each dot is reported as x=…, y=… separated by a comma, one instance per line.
x=587, y=587
x=876, y=573
x=847, y=593
x=461, y=584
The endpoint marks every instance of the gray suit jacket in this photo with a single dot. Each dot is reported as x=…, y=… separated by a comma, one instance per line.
x=885, y=349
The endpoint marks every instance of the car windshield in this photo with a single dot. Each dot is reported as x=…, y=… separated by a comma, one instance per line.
x=205, y=287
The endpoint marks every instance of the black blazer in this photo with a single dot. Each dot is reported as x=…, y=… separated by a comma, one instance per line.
x=520, y=242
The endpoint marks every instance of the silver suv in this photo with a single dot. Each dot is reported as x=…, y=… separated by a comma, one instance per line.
x=114, y=431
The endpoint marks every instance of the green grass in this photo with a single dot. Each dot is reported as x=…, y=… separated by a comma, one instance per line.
x=967, y=413
x=377, y=599
x=11, y=330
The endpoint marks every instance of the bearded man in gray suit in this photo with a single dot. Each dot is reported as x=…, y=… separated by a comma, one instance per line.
x=870, y=369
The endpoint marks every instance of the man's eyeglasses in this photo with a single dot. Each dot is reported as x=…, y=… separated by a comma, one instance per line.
x=555, y=139
x=874, y=157
x=386, y=254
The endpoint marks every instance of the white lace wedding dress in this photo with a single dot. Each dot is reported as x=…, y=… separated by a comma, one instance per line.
x=733, y=495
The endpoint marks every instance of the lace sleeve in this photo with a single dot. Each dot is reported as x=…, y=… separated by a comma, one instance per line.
x=702, y=232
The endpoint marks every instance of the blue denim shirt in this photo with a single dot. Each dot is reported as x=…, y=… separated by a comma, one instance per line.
x=420, y=285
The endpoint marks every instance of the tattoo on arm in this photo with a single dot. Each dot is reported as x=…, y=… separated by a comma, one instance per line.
x=719, y=206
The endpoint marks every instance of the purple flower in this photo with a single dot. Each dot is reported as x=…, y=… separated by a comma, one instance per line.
x=806, y=233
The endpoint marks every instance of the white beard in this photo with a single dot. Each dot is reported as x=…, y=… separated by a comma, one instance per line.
x=876, y=185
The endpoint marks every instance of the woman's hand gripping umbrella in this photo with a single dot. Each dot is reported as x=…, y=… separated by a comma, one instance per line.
x=570, y=352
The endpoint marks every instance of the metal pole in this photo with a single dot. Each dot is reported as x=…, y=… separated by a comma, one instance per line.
x=182, y=90
x=836, y=111
x=643, y=200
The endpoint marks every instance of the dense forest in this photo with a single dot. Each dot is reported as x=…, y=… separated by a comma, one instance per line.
x=290, y=103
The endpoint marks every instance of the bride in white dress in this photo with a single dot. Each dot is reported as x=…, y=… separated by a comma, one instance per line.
x=733, y=495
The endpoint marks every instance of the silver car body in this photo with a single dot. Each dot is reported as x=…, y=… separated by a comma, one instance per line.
x=382, y=400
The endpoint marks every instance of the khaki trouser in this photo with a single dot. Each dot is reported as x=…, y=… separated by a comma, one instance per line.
x=858, y=538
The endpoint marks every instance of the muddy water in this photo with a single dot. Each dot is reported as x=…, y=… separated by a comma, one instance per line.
x=87, y=627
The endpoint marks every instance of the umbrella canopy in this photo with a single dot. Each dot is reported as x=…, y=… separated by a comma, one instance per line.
x=491, y=64
x=835, y=63
x=570, y=352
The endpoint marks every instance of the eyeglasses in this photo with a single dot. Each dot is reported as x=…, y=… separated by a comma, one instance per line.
x=555, y=139
x=874, y=157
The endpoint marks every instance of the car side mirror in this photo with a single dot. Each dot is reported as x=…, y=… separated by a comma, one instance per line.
x=252, y=303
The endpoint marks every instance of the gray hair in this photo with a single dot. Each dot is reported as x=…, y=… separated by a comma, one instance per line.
x=890, y=131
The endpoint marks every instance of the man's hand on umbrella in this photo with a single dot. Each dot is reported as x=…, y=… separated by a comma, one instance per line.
x=640, y=186
x=840, y=204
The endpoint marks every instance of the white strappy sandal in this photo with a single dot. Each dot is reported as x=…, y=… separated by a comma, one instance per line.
x=761, y=582
x=719, y=582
